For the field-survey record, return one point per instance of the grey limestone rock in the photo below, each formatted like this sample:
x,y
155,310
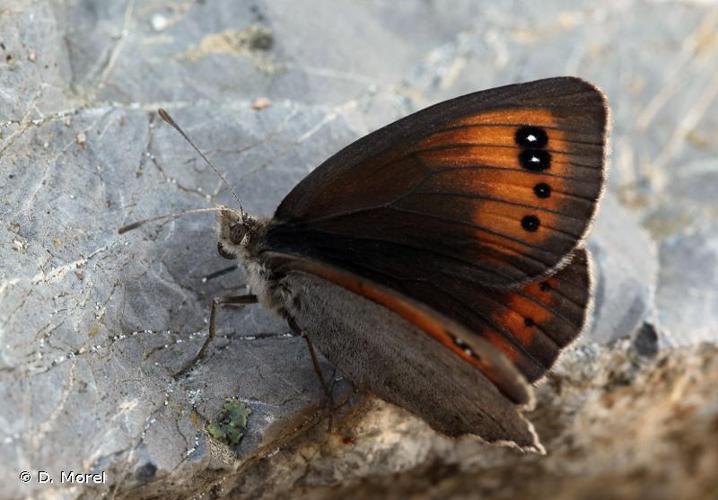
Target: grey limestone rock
x,y
93,324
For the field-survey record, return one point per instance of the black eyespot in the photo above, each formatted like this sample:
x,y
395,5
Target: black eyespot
x,y
542,190
530,223
545,286
535,160
531,137
224,253
529,322
464,346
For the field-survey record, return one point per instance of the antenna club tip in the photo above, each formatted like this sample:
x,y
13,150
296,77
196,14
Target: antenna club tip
x,y
165,115
167,118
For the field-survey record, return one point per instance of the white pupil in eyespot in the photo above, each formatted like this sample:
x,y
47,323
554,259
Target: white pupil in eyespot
x,y
531,138
535,159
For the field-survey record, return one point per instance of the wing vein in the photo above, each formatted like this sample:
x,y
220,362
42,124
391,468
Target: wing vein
x,y
488,321
498,200
496,124
464,145
433,216
486,166
555,312
470,264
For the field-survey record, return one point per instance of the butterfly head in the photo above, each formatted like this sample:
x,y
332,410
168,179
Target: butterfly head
x,y
237,233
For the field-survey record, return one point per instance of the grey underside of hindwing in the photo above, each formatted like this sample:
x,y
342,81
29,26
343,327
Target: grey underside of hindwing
x,y
387,356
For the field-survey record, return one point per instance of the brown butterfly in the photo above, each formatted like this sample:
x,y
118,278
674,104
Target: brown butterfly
x,y
437,262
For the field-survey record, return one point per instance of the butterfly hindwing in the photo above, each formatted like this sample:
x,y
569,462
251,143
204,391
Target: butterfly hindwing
x,y
498,186
529,325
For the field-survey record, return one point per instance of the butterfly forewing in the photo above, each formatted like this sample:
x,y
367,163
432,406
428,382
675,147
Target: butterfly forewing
x,y
498,186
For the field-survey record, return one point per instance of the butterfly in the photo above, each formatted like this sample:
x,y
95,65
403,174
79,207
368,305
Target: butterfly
x,y
438,262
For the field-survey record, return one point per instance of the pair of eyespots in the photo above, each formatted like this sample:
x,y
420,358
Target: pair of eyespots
x,y
532,141
464,347
529,322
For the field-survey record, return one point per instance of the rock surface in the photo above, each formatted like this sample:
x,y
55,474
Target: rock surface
x,y
93,324
617,425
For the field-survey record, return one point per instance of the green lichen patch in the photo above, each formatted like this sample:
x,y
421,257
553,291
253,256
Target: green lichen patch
x,y
230,423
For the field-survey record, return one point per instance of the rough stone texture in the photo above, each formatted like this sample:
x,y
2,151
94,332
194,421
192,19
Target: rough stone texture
x,y
624,268
93,324
687,297
617,425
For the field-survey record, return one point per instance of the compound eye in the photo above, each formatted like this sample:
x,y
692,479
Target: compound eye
x,y
236,233
224,253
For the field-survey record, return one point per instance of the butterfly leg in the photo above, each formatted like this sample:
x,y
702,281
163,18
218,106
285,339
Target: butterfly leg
x,y
232,300
317,368
219,273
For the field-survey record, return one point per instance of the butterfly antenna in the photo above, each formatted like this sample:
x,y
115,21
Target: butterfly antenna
x,y
168,217
170,121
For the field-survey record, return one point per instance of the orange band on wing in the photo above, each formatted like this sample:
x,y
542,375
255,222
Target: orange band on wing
x,y
388,299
